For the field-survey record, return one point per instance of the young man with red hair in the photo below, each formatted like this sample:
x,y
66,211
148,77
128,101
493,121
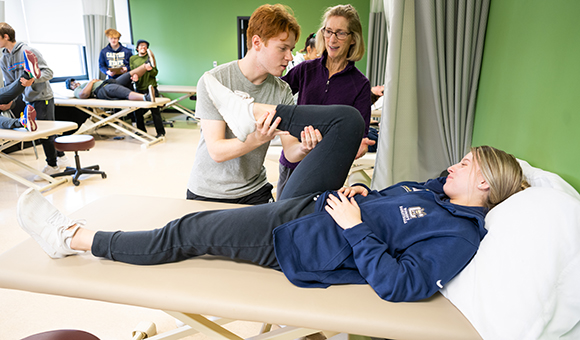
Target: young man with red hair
x,y
228,168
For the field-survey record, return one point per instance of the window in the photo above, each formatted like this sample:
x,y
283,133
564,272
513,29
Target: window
x,y
57,30
65,61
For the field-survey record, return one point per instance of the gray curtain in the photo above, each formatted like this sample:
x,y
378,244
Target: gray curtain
x,y
434,61
377,44
98,16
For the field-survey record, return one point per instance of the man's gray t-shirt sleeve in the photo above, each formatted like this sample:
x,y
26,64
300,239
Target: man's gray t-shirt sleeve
x,y
246,174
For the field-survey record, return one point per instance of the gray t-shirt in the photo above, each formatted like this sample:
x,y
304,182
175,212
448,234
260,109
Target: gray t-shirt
x,y
246,174
81,87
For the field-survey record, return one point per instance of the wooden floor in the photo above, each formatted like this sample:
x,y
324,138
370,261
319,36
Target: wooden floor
x,y
161,170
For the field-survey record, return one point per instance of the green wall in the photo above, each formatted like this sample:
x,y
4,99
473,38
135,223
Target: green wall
x,y
529,94
188,36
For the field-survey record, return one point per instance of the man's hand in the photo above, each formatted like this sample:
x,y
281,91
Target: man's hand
x,y
345,212
6,107
110,73
148,67
124,69
266,130
26,82
135,78
364,147
354,190
309,137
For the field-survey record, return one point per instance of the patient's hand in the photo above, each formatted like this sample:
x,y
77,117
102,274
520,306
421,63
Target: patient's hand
x,y
344,211
354,190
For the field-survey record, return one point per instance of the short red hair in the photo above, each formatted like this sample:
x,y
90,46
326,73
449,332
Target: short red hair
x,y
268,21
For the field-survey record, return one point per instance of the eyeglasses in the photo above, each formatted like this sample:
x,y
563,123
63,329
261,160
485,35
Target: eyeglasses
x,y
340,35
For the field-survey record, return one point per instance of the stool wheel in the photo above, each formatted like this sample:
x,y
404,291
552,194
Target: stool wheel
x,y
103,175
76,182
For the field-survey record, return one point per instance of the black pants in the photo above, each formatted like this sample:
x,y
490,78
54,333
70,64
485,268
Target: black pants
x,y
11,92
45,111
246,233
155,115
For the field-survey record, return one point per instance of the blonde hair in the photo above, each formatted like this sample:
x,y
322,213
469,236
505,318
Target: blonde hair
x,y
356,51
268,21
112,33
502,173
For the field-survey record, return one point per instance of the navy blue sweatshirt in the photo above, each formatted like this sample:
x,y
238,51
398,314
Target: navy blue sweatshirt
x,y
411,243
110,58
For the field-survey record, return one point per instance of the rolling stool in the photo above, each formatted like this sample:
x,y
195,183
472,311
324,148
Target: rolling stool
x,y
64,334
77,143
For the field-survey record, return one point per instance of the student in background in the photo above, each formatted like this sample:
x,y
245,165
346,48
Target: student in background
x,y
307,53
38,93
114,58
111,89
144,57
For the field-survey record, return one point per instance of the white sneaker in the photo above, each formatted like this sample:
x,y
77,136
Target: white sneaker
x,y
62,162
237,107
47,226
48,170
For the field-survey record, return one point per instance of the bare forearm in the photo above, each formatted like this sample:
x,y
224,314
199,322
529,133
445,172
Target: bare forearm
x,y
227,149
86,92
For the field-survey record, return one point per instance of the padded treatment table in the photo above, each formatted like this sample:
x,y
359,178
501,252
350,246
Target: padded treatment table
x,y
219,287
185,92
96,109
45,129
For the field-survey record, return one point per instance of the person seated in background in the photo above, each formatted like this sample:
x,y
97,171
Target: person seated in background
x,y
307,53
145,57
111,89
114,58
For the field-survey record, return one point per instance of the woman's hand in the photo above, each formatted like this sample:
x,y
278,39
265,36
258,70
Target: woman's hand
x,y
345,212
310,137
354,190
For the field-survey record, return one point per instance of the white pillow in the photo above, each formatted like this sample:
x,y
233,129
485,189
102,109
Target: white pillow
x,y
524,282
540,178
60,91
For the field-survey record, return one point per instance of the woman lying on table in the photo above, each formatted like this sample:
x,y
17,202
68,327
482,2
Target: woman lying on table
x,y
407,241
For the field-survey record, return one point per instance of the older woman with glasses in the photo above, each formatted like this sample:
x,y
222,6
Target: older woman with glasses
x,y
330,80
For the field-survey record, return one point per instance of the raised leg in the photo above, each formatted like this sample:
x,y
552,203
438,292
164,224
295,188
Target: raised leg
x,y
326,166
